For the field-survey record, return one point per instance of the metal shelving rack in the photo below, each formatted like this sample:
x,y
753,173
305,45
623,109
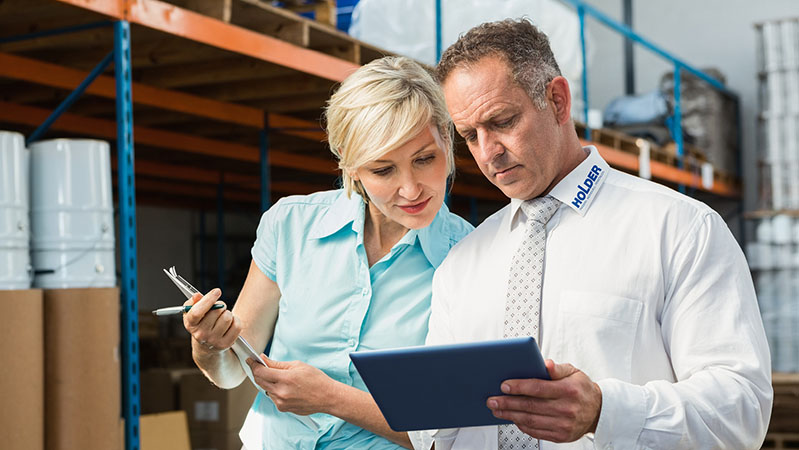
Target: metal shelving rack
x,y
225,113
680,66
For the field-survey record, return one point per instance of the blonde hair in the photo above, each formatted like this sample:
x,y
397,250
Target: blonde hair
x,y
380,107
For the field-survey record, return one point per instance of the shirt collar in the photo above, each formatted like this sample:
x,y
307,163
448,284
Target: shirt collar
x,y
578,188
433,239
342,212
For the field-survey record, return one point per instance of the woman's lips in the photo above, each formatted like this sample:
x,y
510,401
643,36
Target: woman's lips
x,y
416,208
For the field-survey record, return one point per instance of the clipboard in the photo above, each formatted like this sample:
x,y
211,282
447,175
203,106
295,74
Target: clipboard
x,y
241,348
446,386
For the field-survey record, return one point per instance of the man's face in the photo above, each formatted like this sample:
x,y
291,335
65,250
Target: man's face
x,y
515,144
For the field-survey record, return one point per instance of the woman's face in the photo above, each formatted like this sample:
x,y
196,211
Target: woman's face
x,y
407,185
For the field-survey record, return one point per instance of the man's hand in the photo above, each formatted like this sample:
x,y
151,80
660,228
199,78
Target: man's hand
x,y
295,386
560,410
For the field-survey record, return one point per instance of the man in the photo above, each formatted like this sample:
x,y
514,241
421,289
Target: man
x,y
640,294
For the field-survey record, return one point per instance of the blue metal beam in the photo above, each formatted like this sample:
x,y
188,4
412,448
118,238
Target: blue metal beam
x,y
581,14
56,31
635,37
266,194
203,269
71,98
438,30
127,236
220,232
473,216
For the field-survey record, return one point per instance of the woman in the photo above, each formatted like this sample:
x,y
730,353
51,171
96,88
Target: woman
x,y
339,271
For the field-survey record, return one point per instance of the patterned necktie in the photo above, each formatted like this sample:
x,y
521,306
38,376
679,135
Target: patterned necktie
x,y
523,302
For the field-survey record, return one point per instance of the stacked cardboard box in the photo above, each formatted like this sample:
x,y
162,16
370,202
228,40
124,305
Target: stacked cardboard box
x,y
82,369
22,370
164,431
215,415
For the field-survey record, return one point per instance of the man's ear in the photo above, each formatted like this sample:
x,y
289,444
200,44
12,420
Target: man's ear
x,y
559,95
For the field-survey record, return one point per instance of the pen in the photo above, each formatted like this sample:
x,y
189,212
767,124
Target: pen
x,y
181,309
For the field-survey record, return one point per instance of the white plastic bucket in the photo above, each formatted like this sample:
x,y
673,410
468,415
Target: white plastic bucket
x,y
72,227
15,267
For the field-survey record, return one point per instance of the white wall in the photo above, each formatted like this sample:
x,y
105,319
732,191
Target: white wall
x,y
706,33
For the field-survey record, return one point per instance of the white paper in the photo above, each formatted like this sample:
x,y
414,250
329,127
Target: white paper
x,y
206,411
707,175
644,171
243,350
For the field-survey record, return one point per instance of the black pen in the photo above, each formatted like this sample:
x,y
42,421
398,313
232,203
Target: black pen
x,y
181,309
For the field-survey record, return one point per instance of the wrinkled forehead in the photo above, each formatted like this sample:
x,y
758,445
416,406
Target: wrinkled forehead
x,y
478,93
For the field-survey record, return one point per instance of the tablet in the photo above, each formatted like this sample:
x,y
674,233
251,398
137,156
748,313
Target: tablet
x,y
445,386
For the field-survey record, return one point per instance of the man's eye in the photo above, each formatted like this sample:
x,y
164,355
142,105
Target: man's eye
x,y
506,123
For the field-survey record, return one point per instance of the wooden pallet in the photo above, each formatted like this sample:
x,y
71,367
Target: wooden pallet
x,y
286,25
692,160
785,412
324,10
781,441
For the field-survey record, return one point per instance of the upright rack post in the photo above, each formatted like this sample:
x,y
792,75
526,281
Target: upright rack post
x,y
220,232
438,31
266,194
127,234
581,14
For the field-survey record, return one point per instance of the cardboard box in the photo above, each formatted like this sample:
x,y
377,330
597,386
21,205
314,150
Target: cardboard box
x,y
215,440
82,369
164,431
158,391
22,370
211,408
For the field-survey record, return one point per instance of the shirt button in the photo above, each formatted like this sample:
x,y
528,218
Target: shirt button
x,y
351,342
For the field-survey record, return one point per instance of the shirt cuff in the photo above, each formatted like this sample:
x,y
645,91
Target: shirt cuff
x,y
421,440
443,438
622,416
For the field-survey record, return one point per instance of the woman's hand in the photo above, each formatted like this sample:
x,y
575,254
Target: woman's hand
x,y
296,387
214,329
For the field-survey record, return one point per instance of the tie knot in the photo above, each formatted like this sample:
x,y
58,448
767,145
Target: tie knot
x,y
540,209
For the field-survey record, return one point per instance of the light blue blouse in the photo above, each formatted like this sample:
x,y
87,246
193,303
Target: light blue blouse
x,y
333,303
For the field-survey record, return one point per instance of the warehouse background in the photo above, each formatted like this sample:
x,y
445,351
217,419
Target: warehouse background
x,y
212,249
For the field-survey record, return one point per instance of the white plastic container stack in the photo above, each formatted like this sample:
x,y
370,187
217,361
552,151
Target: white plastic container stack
x,y
72,234
779,146
15,268
774,253
774,260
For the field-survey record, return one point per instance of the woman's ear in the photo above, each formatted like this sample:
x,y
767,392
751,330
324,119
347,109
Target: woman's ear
x,y
353,174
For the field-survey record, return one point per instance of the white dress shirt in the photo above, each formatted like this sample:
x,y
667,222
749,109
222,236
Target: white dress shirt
x,y
646,291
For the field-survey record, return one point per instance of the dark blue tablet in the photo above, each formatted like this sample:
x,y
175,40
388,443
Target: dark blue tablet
x,y
445,386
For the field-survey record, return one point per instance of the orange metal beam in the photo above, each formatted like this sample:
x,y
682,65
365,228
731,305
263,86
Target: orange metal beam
x,y
203,191
106,129
662,171
26,69
197,27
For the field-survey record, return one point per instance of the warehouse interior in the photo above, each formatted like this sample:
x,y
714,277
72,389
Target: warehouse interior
x,y
222,101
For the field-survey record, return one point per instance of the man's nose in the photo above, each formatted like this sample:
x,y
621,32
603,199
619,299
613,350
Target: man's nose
x,y
487,148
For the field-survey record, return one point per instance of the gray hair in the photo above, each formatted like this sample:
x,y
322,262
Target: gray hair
x,y
520,43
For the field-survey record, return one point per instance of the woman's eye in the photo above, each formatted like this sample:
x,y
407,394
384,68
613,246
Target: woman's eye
x,y
382,172
426,159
